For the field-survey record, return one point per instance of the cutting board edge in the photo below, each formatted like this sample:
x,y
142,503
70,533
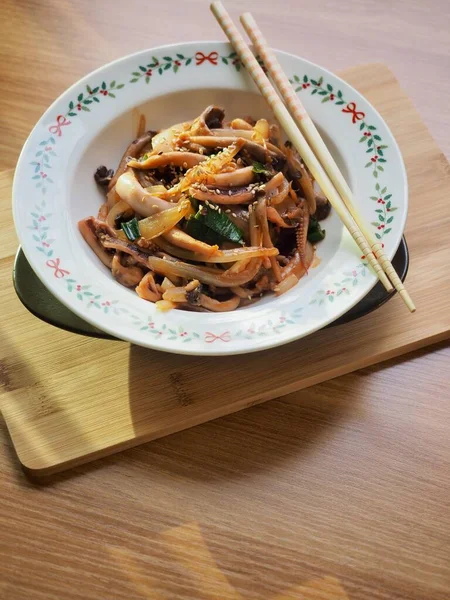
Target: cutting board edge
x,y
47,470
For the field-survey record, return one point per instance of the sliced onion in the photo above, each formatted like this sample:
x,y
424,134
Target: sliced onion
x,y
163,221
165,305
239,266
262,128
157,190
166,284
175,294
179,294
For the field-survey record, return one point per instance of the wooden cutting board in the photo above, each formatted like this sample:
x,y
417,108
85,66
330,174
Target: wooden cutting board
x,y
68,399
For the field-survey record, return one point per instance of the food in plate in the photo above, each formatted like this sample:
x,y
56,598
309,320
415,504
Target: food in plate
x,y
208,215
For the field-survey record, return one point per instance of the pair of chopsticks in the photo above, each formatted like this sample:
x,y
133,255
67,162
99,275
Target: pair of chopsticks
x,y
326,172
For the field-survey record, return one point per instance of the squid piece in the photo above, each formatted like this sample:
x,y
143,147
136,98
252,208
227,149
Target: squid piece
x,y
217,305
211,118
296,266
130,191
274,217
134,150
147,205
166,140
261,213
92,231
221,256
187,160
298,172
103,212
129,276
174,268
183,240
236,178
211,166
301,215
220,195
260,153
277,189
147,289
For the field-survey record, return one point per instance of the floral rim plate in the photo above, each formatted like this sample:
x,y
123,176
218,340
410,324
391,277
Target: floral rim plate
x,y
91,124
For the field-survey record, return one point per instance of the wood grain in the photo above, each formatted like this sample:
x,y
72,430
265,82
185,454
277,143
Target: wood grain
x,y
339,491
57,423
47,45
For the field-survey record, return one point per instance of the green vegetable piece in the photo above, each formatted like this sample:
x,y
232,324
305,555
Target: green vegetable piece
x,y
260,169
315,231
131,229
198,230
221,224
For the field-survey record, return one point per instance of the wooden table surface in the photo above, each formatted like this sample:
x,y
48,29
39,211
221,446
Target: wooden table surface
x,y
339,491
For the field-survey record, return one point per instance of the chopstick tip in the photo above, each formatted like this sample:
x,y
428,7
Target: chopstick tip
x,y
407,300
215,6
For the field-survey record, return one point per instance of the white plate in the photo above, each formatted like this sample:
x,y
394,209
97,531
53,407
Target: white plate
x,y
92,123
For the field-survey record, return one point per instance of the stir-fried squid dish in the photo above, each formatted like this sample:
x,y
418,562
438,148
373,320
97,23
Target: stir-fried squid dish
x,y
208,215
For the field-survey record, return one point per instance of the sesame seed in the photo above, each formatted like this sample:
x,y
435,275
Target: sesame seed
x,y
230,192
228,211
185,165
233,214
217,191
249,297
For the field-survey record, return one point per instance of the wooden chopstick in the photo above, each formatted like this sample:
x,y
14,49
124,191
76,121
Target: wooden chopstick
x,y
316,142
287,122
